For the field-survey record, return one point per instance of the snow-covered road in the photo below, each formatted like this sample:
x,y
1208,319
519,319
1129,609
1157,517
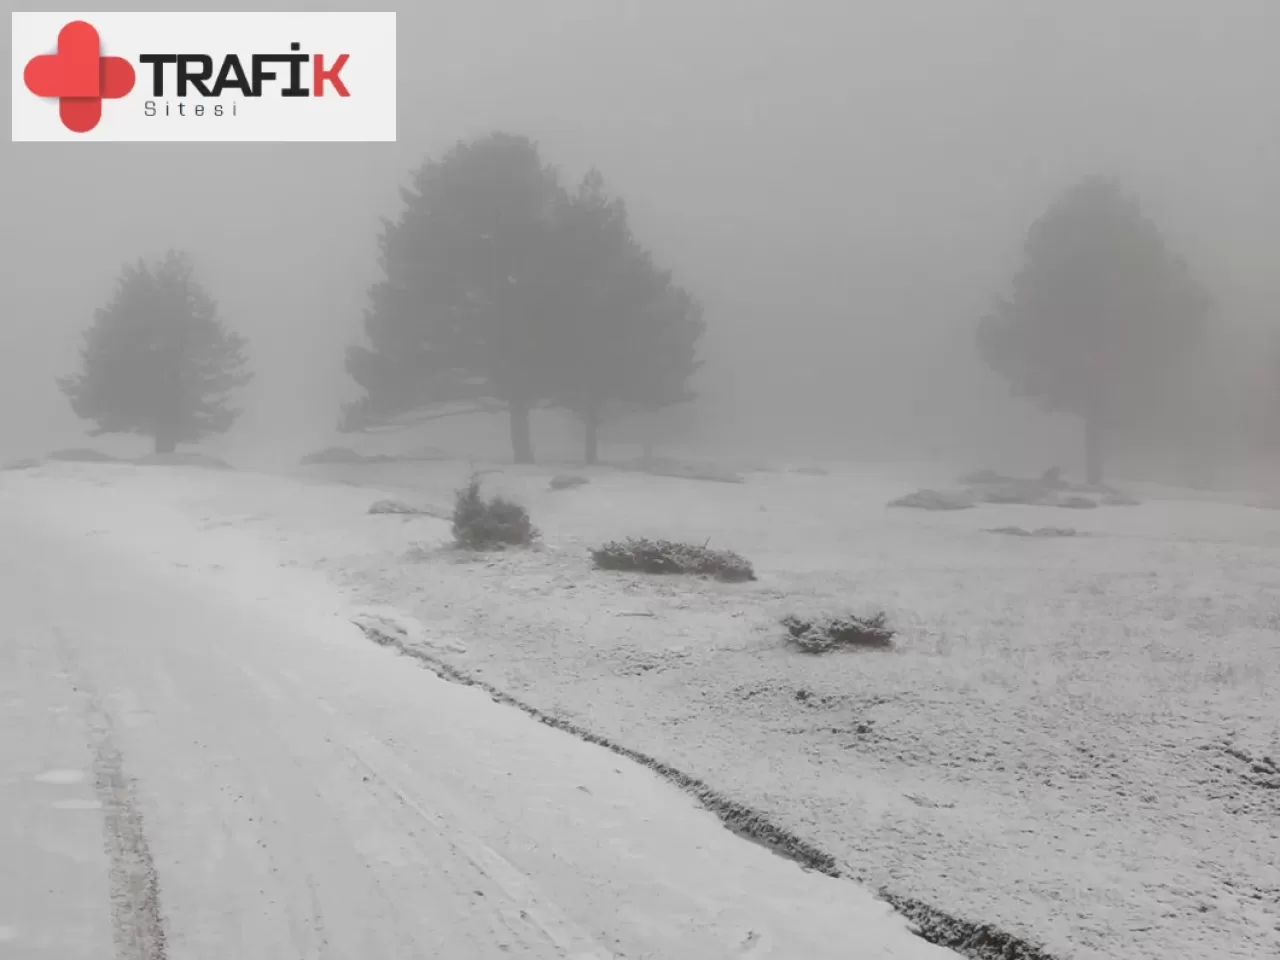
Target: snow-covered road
x,y
188,770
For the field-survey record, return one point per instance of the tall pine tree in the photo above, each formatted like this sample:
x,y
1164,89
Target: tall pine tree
x,y
157,360
624,336
1099,313
458,320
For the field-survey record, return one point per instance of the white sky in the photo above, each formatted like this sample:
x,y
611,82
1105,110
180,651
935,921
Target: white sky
x,y
844,182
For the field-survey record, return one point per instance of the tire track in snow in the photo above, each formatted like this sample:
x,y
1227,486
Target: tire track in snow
x,y
136,919
977,941
378,768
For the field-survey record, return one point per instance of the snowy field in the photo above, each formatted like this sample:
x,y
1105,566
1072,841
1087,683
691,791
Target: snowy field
x,y
1073,738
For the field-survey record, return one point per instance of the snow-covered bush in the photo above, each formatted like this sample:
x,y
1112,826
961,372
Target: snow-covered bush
x,y
688,470
180,458
83,455
934,500
1026,492
1077,503
642,555
333,455
1039,532
1117,498
398,507
826,633
489,523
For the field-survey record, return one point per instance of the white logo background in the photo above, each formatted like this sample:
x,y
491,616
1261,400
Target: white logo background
x,y
369,114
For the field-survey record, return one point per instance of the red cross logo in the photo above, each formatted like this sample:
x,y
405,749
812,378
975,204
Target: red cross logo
x,y
79,76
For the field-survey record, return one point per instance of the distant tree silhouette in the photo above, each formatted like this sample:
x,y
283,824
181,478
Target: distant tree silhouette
x,y
458,321
157,360
1099,311
624,336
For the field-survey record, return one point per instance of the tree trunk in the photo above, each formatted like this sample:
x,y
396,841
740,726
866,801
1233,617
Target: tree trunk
x,y
1093,452
591,438
521,433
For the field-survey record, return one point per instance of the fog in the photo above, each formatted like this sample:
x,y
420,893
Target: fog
x,y
846,185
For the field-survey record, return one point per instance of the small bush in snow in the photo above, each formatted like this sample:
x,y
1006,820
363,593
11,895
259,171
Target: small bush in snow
x,y
347,455
641,555
934,500
332,455
1040,532
83,455
491,523
567,481
689,470
824,634
1117,498
395,507
1026,492
423,453
1077,503
184,459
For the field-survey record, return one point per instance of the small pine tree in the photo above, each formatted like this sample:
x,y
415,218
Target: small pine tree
x,y
157,360
481,523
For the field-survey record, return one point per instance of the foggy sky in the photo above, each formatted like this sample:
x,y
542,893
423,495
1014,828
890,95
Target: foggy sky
x,y
845,183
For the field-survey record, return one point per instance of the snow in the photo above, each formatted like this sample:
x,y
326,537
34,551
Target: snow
x,y
1067,742
49,844
271,784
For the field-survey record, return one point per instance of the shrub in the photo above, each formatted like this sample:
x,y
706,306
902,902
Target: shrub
x,y
1117,498
1077,503
481,523
688,470
347,455
333,455
1040,532
83,455
567,481
395,507
1026,492
421,453
934,500
641,555
184,459
824,634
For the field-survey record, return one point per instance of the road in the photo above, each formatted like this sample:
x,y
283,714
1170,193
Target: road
x,y
189,773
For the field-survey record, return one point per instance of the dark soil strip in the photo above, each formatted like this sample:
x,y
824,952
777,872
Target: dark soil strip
x,y
136,920
977,941
135,889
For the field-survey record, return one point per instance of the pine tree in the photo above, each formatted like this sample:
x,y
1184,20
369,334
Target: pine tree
x,y
1100,311
458,321
623,335
157,360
